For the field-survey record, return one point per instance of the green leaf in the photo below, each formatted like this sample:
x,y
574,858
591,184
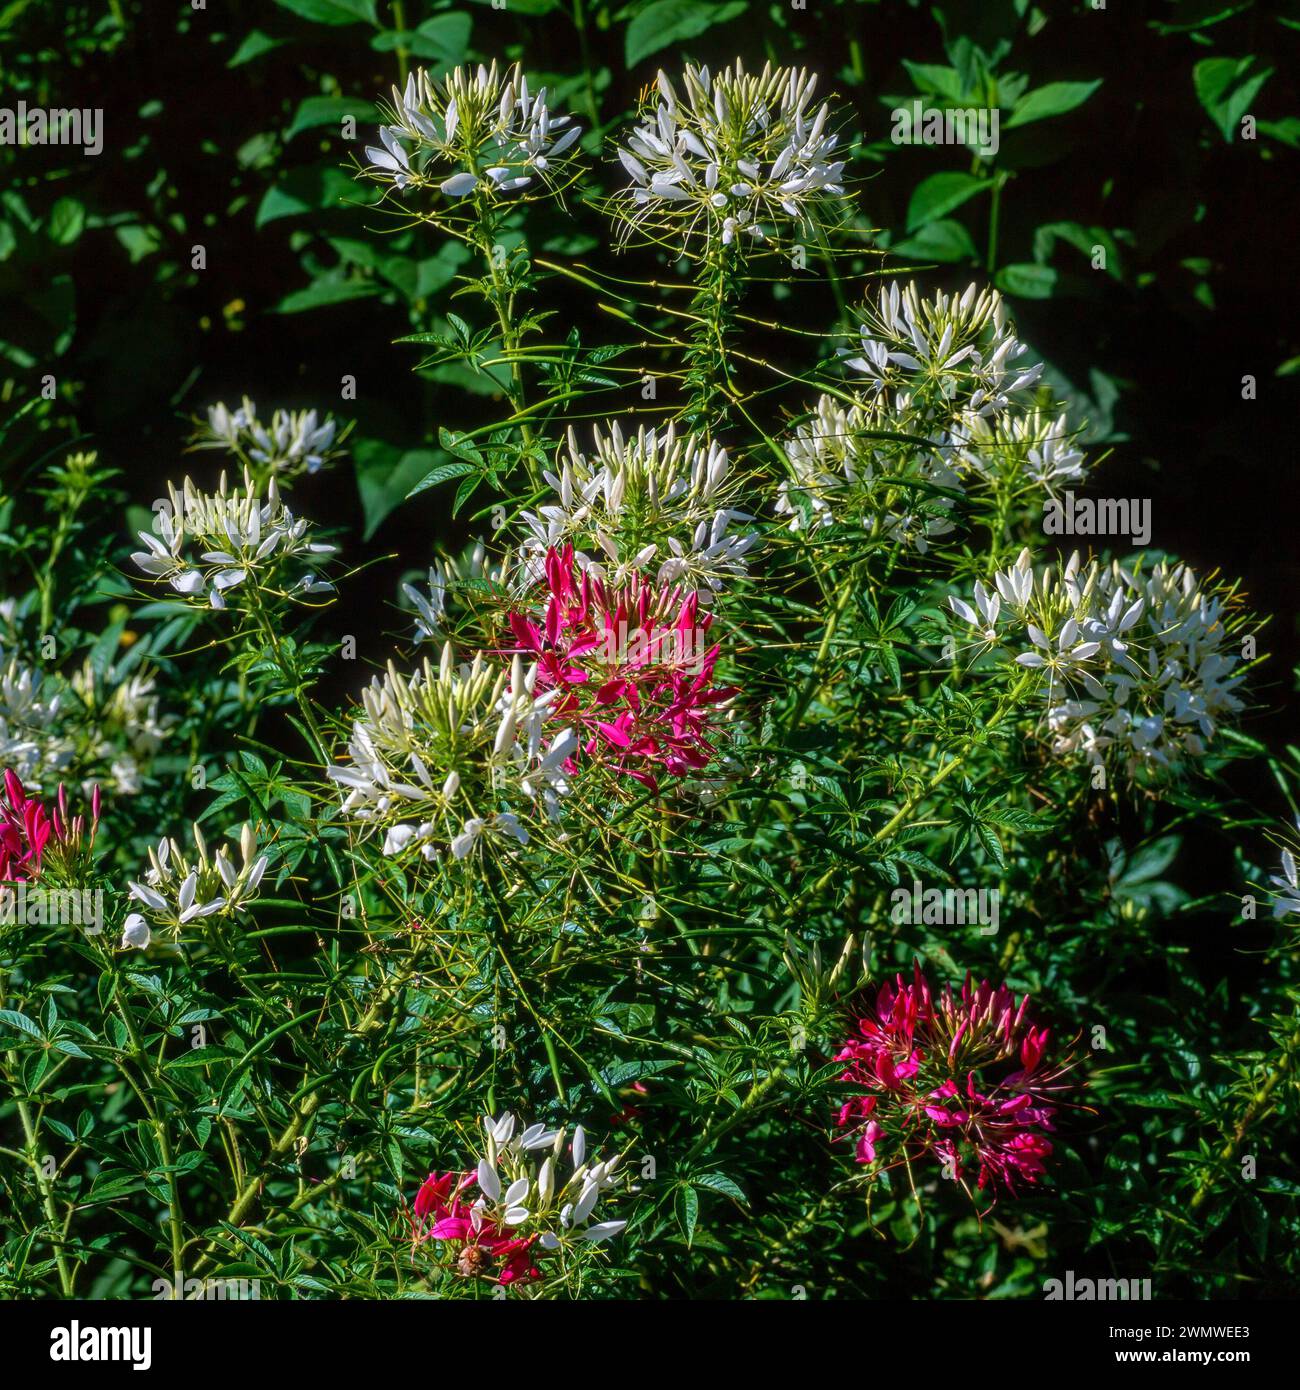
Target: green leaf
x,y
1054,99
688,1210
254,46
319,111
327,290
1226,87
666,22
336,12
19,1021
308,190
719,1182
940,194
385,476
1026,280
945,241
67,221
444,38
441,474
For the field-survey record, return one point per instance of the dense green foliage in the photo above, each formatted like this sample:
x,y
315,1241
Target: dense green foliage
x,y
259,1093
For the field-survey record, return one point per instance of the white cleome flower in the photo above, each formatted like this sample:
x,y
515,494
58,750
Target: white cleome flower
x,y
1136,660
209,544
475,132
848,470
433,755
734,158
955,356
517,1190
294,442
176,889
655,502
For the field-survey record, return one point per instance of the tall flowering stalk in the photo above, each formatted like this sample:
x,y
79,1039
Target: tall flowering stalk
x,y
965,1080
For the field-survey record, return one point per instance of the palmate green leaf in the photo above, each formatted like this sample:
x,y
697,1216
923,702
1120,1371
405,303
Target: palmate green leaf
x,y
310,189
665,22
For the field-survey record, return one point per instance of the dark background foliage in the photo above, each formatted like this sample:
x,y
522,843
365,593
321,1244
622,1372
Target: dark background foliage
x,y
222,130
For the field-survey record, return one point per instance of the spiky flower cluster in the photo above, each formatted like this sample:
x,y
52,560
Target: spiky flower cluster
x,y
963,1080
34,840
1034,447
943,360
32,740
1135,662
944,408
656,498
123,725
848,471
508,1212
177,889
739,158
476,132
630,665
445,578
295,441
209,544
446,757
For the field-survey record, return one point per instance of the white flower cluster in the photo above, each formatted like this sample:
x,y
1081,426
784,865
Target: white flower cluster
x,y
1137,662
1287,902
445,577
518,1194
296,441
176,890
433,756
104,729
476,131
1036,446
951,357
653,498
847,471
32,739
120,715
239,537
944,408
739,157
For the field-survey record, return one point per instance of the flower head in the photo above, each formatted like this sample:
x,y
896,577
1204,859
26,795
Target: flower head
x,y
964,1079
475,132
178,889
653,499
630,666
1137,663
445,757
209,544
512,1208
952,357
734,158
294,442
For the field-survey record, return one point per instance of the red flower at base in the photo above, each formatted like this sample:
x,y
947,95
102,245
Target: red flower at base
x,y
439,1213
962,1079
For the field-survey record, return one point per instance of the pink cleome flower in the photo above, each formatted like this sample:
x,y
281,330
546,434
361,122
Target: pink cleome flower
x,y
441,1213
28,833
964,1079
632,667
